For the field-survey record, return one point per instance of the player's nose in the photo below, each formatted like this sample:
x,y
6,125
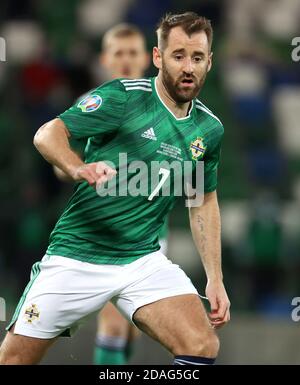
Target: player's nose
x,y
188,66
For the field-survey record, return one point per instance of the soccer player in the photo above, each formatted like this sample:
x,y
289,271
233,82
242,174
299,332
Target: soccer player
x,y
106,247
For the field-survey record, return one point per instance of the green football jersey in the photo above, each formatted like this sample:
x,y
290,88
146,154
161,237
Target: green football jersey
x,y
128,117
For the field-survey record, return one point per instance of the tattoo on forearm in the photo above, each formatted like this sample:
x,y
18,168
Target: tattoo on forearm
x,y
202,237
200,221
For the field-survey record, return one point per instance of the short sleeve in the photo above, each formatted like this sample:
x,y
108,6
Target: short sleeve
x,y
211,160
98,112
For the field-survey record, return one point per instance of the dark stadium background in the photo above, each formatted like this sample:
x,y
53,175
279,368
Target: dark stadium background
x,y
254,87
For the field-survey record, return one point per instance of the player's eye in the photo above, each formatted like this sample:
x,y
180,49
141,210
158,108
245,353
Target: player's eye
x,y
133,53
198,59
178,57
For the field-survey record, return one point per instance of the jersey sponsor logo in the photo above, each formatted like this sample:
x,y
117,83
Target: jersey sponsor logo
x,y
31,313
197,148
90,103
149,134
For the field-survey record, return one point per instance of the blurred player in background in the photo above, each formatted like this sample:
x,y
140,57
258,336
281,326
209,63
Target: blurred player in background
x,y
106,248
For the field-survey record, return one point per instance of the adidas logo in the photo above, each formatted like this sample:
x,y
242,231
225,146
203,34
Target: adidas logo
x,y
149,134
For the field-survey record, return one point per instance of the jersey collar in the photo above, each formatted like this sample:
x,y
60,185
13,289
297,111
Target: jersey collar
x,y
185,118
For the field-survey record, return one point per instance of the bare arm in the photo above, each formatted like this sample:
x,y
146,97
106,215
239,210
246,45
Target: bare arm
x,y
205,224
52,141
61,175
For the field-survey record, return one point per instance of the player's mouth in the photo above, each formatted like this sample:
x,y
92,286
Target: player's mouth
x,y
126,72
187,82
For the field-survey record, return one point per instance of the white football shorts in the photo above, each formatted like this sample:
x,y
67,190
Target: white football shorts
x,y
63,292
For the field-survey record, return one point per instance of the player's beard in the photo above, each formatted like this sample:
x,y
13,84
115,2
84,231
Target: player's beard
x,y
176,90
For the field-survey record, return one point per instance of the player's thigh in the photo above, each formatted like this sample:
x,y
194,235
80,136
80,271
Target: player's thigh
x,y
21,350
175,322
112,322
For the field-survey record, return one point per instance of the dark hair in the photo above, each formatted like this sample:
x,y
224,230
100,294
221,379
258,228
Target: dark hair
x,y
119,31
190,22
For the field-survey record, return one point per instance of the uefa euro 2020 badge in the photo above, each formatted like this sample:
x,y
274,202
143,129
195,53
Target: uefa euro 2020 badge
x,y
31,313
197,148
90,103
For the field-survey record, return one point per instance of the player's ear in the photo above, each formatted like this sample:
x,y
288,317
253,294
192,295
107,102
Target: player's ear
x,y
157,57
209,61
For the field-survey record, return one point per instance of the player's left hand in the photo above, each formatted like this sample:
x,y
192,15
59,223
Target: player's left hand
x,y
219,303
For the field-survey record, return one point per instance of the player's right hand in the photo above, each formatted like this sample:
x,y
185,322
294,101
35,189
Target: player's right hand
x,y
95,173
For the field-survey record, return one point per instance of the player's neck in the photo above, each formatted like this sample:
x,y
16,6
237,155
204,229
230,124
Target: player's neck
x,y
180,110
